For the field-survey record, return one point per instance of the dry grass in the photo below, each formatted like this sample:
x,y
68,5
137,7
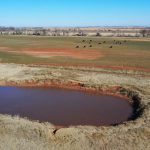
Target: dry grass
x,y
17,133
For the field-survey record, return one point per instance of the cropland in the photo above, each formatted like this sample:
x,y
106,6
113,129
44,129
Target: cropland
x,y
113,66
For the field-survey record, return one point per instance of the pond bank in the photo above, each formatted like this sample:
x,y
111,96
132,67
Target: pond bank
x,y
134,134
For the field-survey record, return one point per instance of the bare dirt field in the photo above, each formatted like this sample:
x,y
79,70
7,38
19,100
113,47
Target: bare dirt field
x,y
88,54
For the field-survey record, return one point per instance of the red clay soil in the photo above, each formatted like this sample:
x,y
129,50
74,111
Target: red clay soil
x,y
131,54
113,91
5,48
94,66
80,54
51,52
124,68
73,53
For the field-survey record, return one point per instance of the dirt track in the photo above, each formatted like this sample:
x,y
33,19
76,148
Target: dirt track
x,y
17,133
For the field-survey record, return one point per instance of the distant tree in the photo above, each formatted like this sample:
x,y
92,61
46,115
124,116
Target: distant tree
x,y
148,32
81,34
18,32
44,32
36,33
143,32
98,34
63,32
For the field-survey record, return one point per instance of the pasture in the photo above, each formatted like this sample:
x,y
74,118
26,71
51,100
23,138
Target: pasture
x,y
126,53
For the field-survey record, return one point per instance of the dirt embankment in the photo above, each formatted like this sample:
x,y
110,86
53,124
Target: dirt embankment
x,y
17,133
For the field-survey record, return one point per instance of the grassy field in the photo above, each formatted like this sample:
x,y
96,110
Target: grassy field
x,y
130,53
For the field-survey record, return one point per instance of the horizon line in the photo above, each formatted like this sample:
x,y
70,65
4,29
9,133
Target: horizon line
x,y
97,26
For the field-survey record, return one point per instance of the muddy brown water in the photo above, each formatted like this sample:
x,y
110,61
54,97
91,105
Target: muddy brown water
x,y
64,107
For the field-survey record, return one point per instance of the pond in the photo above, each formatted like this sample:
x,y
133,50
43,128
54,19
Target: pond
x,y
64,107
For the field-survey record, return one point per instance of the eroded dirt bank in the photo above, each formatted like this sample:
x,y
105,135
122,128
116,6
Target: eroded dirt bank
x,y
18,133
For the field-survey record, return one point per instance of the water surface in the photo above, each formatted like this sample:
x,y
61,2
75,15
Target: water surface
x,y
64,107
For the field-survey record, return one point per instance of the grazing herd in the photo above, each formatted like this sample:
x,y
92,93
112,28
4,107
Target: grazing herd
x,y
115,42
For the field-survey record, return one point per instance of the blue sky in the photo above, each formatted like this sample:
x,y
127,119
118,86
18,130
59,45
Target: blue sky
x,y
74,13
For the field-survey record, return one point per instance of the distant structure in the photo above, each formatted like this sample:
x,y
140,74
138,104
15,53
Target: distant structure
x,y
76,31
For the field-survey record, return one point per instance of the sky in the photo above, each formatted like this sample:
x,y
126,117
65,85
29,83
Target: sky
x,y
61,13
